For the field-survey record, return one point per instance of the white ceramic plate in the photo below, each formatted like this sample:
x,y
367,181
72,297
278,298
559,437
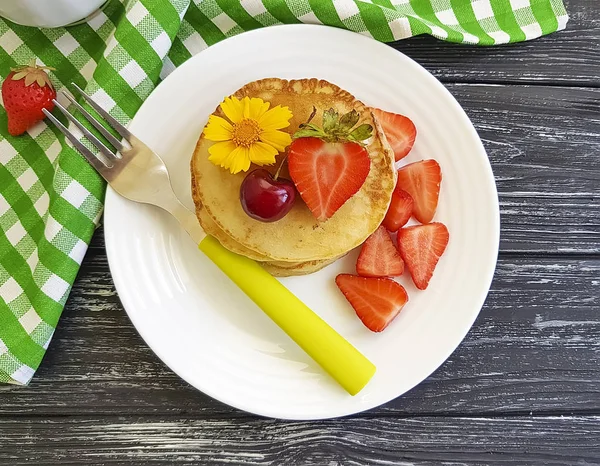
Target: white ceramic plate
x,y
207,330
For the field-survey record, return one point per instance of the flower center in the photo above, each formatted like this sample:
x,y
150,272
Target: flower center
x,y
245,133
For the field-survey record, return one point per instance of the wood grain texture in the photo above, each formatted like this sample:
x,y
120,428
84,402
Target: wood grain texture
x,y
523,387
569,57
534,348
573,440
544,146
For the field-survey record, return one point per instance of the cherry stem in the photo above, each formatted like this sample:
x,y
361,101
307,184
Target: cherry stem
x,y
279,169
312,115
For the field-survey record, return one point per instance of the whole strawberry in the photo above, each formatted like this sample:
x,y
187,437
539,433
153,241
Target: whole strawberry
x,y
26,91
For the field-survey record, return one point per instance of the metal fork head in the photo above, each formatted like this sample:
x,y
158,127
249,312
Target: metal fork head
x,y
132,169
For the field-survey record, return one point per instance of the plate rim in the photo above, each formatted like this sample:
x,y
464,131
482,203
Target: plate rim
x,y
111,197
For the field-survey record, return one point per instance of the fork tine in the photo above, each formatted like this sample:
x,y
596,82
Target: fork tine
x,y
93,139
113,140
118,127
89,155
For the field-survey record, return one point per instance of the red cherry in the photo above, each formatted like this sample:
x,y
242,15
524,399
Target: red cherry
x,y
265,198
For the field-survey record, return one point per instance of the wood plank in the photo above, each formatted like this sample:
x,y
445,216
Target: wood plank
x,y
569,57
351,441
102,397
543,143
534,348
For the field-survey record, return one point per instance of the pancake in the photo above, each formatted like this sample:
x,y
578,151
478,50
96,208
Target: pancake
x,y
211,228
298,237
301,268
277,268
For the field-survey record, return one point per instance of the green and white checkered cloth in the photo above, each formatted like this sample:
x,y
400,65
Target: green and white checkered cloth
x,y
51,200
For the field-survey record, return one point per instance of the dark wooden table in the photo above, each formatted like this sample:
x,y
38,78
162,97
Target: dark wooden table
x,y
524,386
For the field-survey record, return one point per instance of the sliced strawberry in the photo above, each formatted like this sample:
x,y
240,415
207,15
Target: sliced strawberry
x,y
400,210
422,181
327,174
377,301
399,130
421,247
379,257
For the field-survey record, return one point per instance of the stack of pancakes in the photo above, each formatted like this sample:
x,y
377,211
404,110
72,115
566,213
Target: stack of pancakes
x,y
297,244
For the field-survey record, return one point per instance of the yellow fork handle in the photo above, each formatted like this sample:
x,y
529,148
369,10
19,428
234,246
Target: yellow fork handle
x,y
328,348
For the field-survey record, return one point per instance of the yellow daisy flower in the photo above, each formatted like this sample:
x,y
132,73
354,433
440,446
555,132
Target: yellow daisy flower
x,y
250,136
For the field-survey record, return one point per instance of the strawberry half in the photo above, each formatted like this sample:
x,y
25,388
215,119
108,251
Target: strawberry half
x,y
399,130
421,247
422,181
329,165
327,174
377,301
26,91
400,210
379,257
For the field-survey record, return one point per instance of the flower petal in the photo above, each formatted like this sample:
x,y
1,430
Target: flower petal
x,y
278,139
276,118
229,156
218,129
246,106
220,153
233,109
262,154
239,160
255,108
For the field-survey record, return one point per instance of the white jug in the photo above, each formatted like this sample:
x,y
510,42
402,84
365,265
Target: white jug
x,y
48,13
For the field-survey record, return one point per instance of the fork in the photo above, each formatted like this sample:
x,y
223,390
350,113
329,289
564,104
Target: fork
x,y
135,172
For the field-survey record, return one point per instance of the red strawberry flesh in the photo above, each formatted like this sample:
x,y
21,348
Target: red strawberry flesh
x,y
422,181
376,301
400,210
399,130
421,247
379,257
327,174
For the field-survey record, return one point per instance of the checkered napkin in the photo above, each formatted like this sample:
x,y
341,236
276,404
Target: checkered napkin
x,y
51,200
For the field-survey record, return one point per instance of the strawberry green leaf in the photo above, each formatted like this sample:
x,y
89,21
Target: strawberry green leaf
x,y
19,75
348,121
312,126
308,131
30,79
361,133
330,120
